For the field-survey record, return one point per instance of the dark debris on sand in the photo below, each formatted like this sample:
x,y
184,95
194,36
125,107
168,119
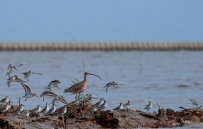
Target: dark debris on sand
x,y
78,116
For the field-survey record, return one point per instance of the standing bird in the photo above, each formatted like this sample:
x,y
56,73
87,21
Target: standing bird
x,y
11,68
26,113
52,110
20,109
46,109
93,109
101,101
28,92
49,94
89,97
5,100
37,109
120,107
52,84
27,74
149,106
81,86
127,105
111,84
4,109
104,105
61,111
14,79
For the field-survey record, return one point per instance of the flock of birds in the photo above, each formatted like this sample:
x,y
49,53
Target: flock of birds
x,y
76,88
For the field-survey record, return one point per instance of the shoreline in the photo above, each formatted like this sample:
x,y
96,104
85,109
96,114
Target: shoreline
x,y
78,116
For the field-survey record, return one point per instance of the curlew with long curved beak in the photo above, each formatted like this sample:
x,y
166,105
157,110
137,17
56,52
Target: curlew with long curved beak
x,y
81,86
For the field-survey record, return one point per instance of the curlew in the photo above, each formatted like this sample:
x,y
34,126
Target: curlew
x,y
81,86
27,74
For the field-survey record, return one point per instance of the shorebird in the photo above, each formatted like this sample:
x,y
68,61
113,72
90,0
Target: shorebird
x,y
52,84
111,84
52,110
49,94
81,86
37,109
120,107
4,109
61,111
59,98
14,79
27,74
101,101
127,105
5,100
89,97
20,109
28,92
104,105
93,109
11,68
149,106
46,109
26,113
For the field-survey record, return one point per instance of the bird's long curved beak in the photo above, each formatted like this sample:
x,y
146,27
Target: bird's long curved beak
x,y
94,75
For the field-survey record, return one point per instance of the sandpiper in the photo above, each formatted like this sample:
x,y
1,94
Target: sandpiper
x,y
127,105
28,93
37,109
111,84
5,100
52,84
93,109
27,74
14,79
46,109
20,109
81,86
104,105
101,101
11,68
52,110
89,97
149,106
59,98
26,113
120,107
4,109
61,111
49,94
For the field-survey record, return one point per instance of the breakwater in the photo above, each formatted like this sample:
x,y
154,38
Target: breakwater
x,y
99,46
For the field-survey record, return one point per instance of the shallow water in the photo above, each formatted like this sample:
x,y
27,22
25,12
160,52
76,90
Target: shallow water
x,y
154,76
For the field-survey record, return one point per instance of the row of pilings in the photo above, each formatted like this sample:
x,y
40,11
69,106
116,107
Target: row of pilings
x,y
97,46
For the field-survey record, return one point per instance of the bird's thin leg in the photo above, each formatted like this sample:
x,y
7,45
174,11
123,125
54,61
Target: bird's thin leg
x,y
43,98
26,99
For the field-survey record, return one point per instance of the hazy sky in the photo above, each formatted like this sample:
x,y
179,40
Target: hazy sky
x,y
105,20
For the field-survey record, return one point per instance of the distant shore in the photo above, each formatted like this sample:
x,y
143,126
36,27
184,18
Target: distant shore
x,y
99,46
